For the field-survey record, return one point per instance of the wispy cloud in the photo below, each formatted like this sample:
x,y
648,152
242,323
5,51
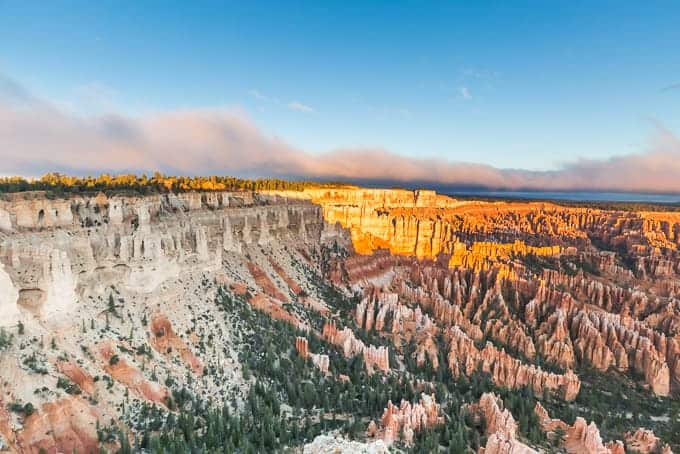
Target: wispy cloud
x,y
464,92
671,87
292,105
300,107
478,74
37,137
258,95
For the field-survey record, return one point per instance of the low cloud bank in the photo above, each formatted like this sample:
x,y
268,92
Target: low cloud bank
x,y
38,137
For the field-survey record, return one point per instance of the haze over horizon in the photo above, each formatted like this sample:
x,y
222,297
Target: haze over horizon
x,y
513,97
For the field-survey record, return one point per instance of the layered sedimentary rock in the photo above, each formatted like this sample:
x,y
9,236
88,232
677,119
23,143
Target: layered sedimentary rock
x,y
578,438
424,224
465,358
402,422
498,444
77,375
500,426
644,441
374,357
56,248
468,286
414,224
166,342
65,425
482,255
320,361
380,309
6,433
125,372
8,298
116,295
569,320
496,419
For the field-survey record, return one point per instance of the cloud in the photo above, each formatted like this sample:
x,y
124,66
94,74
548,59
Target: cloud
x,y
465,92
258,95
478,74
37,137
671,87
295,105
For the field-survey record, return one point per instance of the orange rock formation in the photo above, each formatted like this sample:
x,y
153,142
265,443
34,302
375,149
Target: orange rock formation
x,y
320,361
374,357
65,425
130,376
500,426
403,421
165,341
77,375
579,438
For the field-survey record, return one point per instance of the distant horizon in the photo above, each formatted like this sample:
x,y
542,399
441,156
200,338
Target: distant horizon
x,y
585,195
520,96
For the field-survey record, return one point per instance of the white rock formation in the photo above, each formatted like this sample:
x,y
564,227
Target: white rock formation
x,y
329,444
9,312
229,243
60,286
5,221
265,236
52,252
116,211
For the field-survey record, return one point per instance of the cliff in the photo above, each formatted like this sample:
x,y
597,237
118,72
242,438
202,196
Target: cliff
x,y
135,298
123,289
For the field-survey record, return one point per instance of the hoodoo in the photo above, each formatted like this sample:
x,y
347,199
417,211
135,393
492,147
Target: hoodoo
x,y
328,296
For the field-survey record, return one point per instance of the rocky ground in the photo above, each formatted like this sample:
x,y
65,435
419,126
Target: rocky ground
x,y
336,320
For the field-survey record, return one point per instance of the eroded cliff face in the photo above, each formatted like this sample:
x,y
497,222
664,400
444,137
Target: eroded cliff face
x,y
424,224
632,329
116,296
52,251
113,299
507,285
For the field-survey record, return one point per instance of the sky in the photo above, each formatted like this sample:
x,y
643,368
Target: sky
x,y
556,95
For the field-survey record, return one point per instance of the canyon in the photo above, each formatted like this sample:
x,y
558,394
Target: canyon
x,y
109,305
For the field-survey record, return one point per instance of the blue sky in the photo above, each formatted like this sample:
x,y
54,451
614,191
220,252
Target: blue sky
x,y
510,84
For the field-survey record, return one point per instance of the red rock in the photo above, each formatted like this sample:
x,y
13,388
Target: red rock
x,y
505,370
579,438
496,419
320,361
65,425
166,342
6,432
403,421
265,283
275,309
374,357
301,345
130,376
77,375
294,286
498,444
645,442
500,426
